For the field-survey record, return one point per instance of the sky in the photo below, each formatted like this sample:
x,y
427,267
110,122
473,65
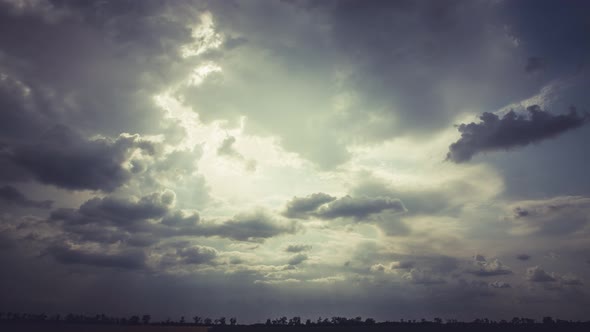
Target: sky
x,y
257,158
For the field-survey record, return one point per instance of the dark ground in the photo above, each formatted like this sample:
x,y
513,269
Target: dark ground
x,y
69,327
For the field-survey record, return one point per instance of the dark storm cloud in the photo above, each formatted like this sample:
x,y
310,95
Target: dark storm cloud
x,y
512,130
125,260
65,159
301,207
10,195
125,54
523,257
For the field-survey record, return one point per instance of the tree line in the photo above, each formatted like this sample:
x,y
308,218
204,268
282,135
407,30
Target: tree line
x,y
280,321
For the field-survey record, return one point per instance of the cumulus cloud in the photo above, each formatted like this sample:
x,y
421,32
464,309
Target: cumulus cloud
x,y
512,130
424,277
537,274
485,268
150,219
359,207
324,206
197,254
552,281
252,226
62,157
302,207
12,196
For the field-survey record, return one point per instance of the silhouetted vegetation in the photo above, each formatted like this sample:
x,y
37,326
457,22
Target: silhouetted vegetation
x,y
296,323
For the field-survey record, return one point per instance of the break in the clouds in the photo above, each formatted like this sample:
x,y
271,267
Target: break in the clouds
x,y
511,130
162,157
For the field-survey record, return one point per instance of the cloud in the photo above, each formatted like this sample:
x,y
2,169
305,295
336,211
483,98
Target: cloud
x,y
552,217
124,213
523,257
512,130
570,280
324,206
296,248
359,207
303,207
197,254
153,217
537,274
252,226
423,277
402,265
227,149
65,159
125,260
297,259
484,268
500,284
11,196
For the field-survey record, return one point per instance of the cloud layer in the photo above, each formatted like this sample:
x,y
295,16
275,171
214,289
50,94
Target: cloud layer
x,y
512,130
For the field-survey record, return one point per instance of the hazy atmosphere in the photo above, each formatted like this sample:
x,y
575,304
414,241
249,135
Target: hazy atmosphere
x,y
386,159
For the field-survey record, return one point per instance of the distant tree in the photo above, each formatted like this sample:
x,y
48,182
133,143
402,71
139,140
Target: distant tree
x,y
134,320
369,321
220,321
438,320
182,320
233,321
295,321
146,319
548,320
208,321
197,320
268,322
308,322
